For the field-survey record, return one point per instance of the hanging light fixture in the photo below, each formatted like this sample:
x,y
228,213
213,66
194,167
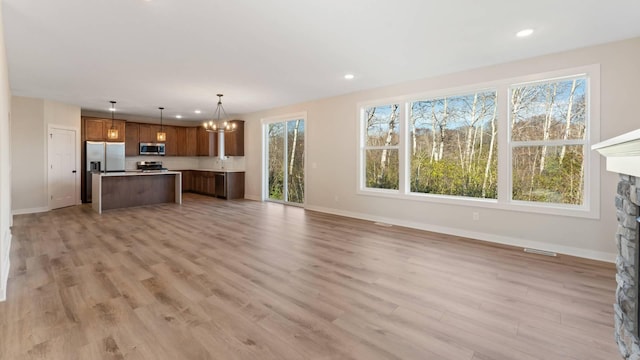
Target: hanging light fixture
x,y
112,133
161,136
217,125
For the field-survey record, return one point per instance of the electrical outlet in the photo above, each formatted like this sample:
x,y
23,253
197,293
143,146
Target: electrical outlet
x,y
476,216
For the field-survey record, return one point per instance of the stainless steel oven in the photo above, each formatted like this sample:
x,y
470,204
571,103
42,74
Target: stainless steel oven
x,y
151,149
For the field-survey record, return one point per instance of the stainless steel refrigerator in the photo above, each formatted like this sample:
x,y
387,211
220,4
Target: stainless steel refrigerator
x,y
102,157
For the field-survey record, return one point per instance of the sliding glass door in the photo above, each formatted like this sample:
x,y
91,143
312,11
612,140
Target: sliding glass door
x,y
284,160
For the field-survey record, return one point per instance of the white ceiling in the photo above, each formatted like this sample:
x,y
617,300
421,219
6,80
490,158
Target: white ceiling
x,y
267,53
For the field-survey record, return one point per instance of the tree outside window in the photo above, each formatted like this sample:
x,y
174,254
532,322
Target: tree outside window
x,y
548,138
447,145
381,146
454,145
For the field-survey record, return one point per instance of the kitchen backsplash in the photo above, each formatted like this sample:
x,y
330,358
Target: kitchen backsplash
x,y
214,163
170,162
189,162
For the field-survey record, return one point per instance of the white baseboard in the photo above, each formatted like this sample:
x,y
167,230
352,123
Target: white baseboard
x,y
30,210
5,265
499,239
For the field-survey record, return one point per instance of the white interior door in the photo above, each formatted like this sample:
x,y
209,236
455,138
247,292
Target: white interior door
x,y
62,168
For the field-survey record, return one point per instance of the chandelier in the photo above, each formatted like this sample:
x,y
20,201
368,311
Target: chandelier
x,y
216,124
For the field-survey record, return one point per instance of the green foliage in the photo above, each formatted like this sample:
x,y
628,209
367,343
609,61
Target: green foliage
x,y
446,177
382,174
549,111
279,161
560,182
275,185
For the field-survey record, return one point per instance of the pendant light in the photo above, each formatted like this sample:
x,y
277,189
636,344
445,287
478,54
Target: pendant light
x,y
161,136
112,133
216,125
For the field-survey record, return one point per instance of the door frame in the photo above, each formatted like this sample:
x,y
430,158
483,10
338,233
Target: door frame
x,y
76,130
265,151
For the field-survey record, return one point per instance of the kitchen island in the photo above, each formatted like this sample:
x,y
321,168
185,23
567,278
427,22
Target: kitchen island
x,y
134,188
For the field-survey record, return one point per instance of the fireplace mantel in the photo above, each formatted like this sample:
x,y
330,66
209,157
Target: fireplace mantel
x,y
623,156
622,153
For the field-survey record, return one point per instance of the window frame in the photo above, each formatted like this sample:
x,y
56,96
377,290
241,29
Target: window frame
x,y
458,92
264,124
586,148
591,201
363,147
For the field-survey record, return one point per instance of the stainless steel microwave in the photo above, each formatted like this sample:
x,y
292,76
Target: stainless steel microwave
x,y
151,149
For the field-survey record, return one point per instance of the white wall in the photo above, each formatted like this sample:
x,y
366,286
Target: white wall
x,y
5,167
31,119
57,113
29,178
332,147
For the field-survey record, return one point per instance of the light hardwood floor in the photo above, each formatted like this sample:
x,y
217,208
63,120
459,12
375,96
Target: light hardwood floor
x,y
215,279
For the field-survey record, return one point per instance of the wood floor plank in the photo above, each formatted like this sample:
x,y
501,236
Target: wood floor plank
x,y
176,342
129,288
215,279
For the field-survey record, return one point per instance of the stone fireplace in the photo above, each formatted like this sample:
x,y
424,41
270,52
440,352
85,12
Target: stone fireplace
x,y
623,157
626,301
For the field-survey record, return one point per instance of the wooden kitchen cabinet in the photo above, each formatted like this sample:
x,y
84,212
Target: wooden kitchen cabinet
x,y
187,180
225,185
148,133
233,141
187,141
171,144
211,183
205,142
234,185
203,182
95,129
192,141
132,139
181,141
198,182
181,135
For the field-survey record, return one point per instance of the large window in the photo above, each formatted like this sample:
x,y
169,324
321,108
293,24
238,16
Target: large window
x,y
519,144
453,145
548,138
381,150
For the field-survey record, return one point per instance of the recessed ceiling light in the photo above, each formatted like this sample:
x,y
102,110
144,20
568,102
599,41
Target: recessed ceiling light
x,y
349,76
197,111
178,116
524,33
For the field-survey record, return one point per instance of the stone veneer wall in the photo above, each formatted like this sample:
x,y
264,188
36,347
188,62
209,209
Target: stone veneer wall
x,y
626,302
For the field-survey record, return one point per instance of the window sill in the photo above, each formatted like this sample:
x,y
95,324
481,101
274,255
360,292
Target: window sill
x,y
520,206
